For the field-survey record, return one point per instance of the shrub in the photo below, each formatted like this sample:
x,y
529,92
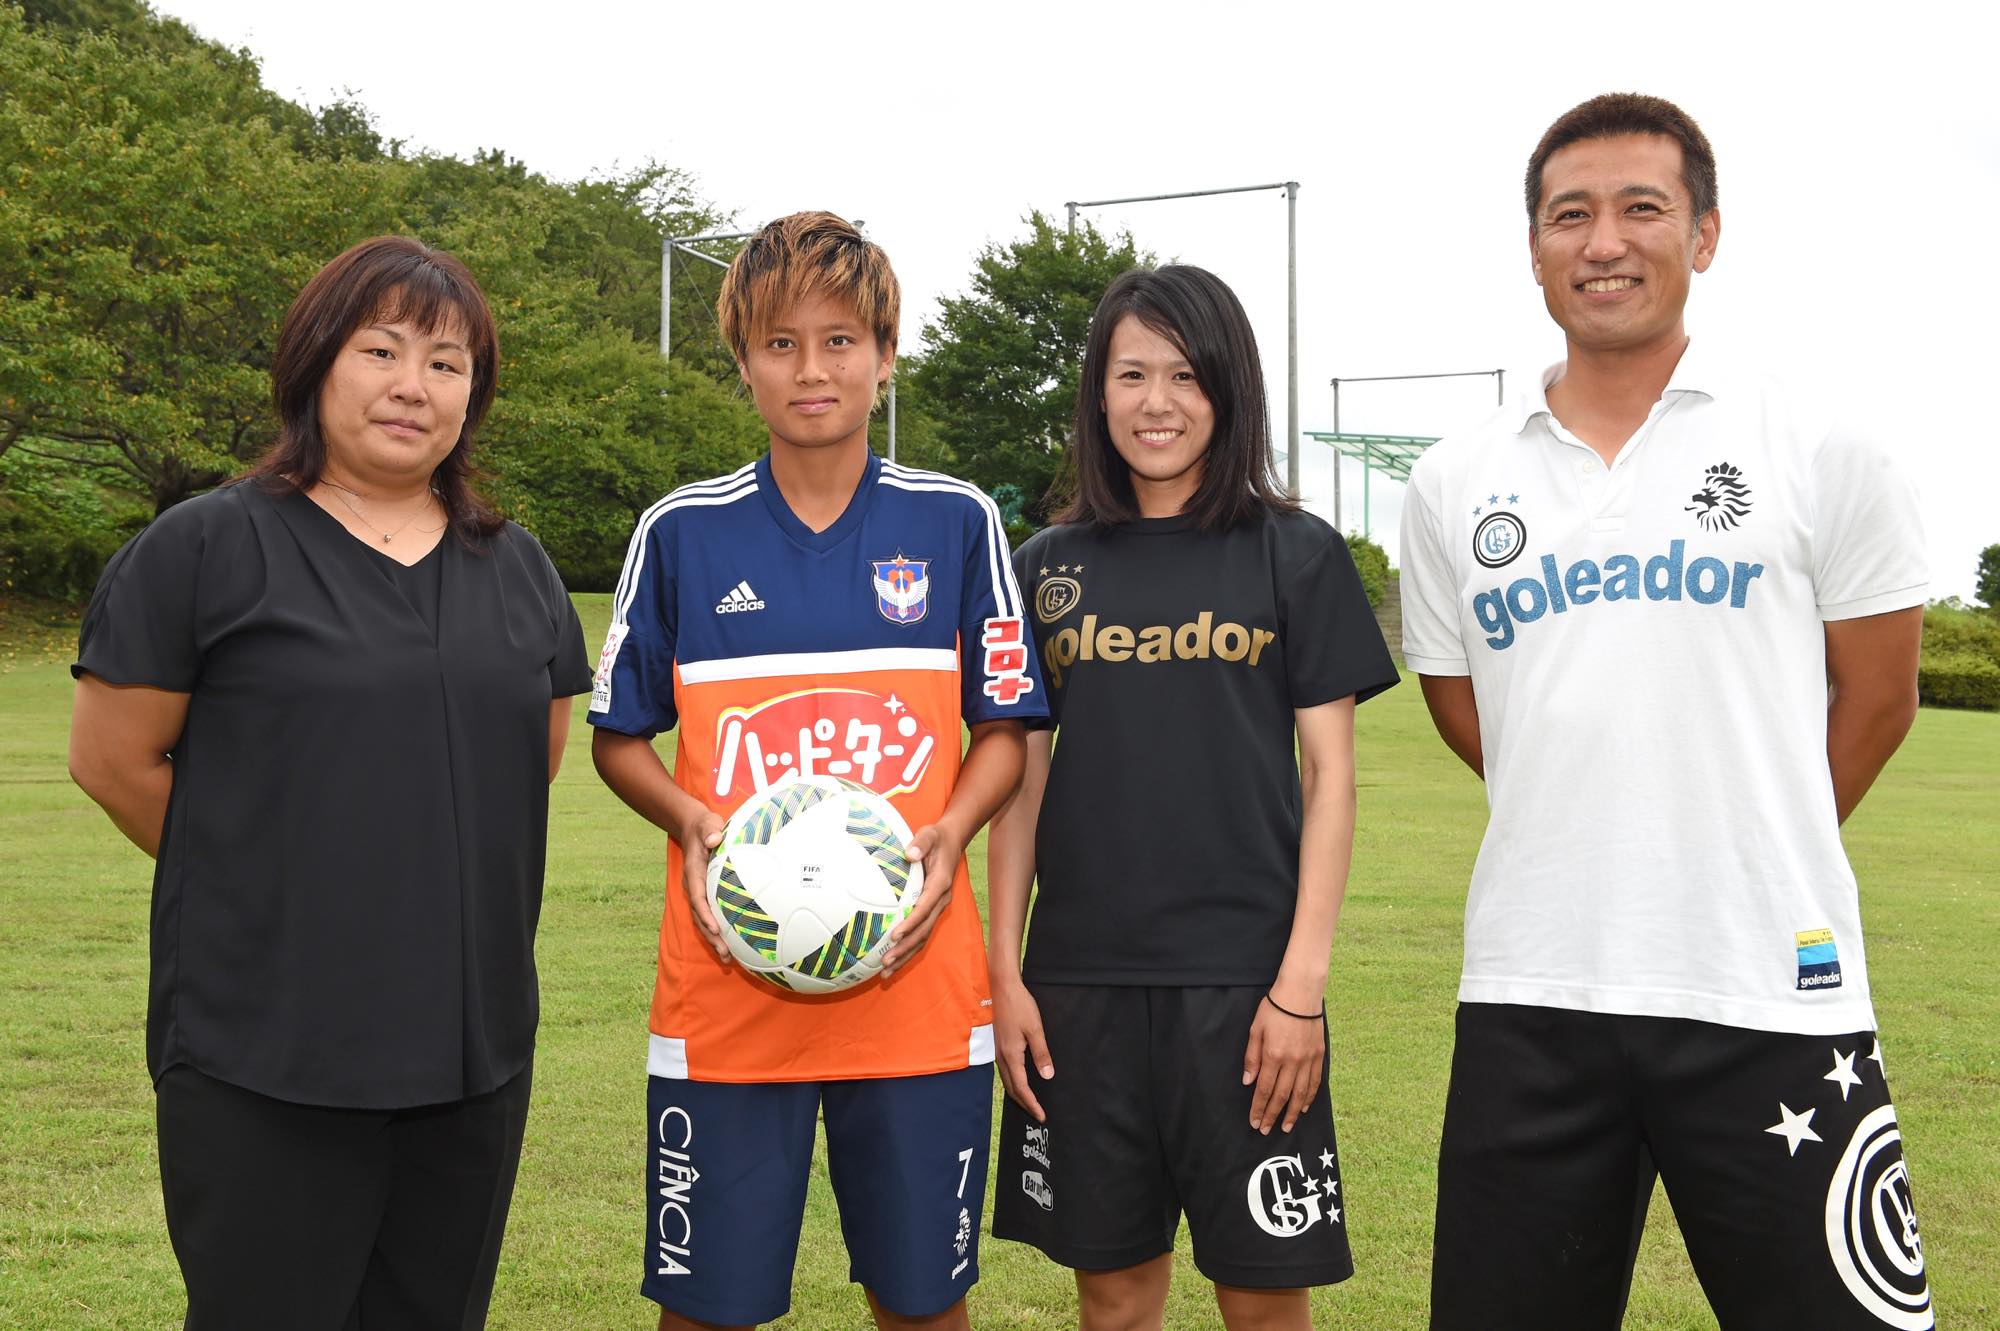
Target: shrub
x,y
1959,679
1960,666
1373,563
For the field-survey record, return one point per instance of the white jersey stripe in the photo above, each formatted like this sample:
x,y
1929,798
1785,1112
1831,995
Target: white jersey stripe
x,y
854,662
1006,593
743,474
688,496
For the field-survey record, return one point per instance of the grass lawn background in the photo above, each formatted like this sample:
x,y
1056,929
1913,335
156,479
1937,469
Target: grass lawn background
x,y
83,1244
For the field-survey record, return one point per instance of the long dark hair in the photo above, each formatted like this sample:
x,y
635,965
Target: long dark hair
x,y
1193,309
393,279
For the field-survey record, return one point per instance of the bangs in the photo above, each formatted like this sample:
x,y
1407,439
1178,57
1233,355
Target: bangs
x,y
797,258
428,300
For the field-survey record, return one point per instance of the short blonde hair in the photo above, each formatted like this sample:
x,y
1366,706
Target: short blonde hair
x,y
803,255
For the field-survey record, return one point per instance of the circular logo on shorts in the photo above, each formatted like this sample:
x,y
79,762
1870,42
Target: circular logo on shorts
x,y
1871,1226
1498,538
1056,598
1284,1201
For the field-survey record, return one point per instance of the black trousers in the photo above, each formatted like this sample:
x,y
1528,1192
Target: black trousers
x,y
314,1219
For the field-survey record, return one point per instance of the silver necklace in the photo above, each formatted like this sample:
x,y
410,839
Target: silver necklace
x,y
369,522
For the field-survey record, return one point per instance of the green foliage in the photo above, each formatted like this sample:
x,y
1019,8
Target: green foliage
x,y
589,435
1959,679
1988,589
1000,374
149,243
1960,665
920,440
1372,561
58,526
159,210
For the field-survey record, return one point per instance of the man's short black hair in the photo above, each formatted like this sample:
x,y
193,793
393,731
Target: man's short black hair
x,y
1615,113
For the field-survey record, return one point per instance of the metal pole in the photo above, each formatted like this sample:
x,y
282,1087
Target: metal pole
x,y
1336,456
1292,336
1188,194
666,295
667,247
1072,217
892,416
1367,490
1500,378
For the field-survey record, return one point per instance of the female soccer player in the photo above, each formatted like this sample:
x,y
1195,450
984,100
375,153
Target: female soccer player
x,y
1192,624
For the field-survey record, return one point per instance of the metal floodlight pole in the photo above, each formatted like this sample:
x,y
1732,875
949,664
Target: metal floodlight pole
x,y
683,243
1291,189
1367,451
1292,338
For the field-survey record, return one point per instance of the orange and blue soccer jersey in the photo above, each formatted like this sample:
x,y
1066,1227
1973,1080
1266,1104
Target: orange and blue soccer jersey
x,y
855,652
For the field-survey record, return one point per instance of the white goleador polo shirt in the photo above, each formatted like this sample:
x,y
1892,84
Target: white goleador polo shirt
x,y
1647,648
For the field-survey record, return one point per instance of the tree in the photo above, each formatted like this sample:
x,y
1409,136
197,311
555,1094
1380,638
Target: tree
x,y
1000,371
1989,576
148,247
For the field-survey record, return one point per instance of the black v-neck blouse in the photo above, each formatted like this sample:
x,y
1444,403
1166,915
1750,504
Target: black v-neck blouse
x,y
350,873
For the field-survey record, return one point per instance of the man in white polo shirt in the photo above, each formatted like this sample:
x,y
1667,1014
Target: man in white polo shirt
x,y
1671,616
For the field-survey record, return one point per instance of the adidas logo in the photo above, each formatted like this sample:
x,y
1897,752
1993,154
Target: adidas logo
x,y
739,601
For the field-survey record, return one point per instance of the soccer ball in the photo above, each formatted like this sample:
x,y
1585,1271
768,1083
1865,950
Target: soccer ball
x,y
811,876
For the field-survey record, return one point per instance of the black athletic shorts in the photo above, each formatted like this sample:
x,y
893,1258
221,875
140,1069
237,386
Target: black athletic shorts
x,y
1148,1116
1779,1152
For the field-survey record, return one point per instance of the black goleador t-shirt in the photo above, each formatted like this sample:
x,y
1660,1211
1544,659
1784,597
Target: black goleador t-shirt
x,y
1167,847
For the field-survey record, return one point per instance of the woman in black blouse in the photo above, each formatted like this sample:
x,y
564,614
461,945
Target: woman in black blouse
x,y
329,699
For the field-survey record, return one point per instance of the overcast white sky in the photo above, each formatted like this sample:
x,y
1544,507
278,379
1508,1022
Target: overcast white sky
x,y
1859,154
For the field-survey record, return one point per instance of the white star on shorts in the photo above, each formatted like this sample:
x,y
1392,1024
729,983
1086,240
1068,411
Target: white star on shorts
x,y
1326,1160
1843,1072
1794,1128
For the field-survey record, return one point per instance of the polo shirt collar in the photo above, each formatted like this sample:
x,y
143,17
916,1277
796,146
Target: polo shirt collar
x,y
1694,373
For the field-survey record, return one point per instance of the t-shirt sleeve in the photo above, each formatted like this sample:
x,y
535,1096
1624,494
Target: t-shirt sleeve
x,y
999,677
141,626
1024,577
632,691
1333,646
1433,643
569,670
1869,555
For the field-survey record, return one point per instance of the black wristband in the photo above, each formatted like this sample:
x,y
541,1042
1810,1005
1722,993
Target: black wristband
x,y
1296,1016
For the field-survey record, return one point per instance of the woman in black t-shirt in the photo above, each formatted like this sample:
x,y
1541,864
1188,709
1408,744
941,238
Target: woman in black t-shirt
x,y
1193,625
329,699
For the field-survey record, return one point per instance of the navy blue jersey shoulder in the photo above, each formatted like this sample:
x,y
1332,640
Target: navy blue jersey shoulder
x,y
724,571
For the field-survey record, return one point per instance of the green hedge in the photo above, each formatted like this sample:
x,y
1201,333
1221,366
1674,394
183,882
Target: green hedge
x,y
1959,679
1960,666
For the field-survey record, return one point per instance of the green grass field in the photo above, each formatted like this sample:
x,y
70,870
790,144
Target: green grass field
x,y
82,1243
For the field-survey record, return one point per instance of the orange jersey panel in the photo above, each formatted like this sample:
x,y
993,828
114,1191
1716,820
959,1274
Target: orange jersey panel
x,y
895,730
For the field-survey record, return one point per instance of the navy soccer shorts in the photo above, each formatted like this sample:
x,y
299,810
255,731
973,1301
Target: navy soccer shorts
x,y
1780,1154
726,1169
1148,1117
